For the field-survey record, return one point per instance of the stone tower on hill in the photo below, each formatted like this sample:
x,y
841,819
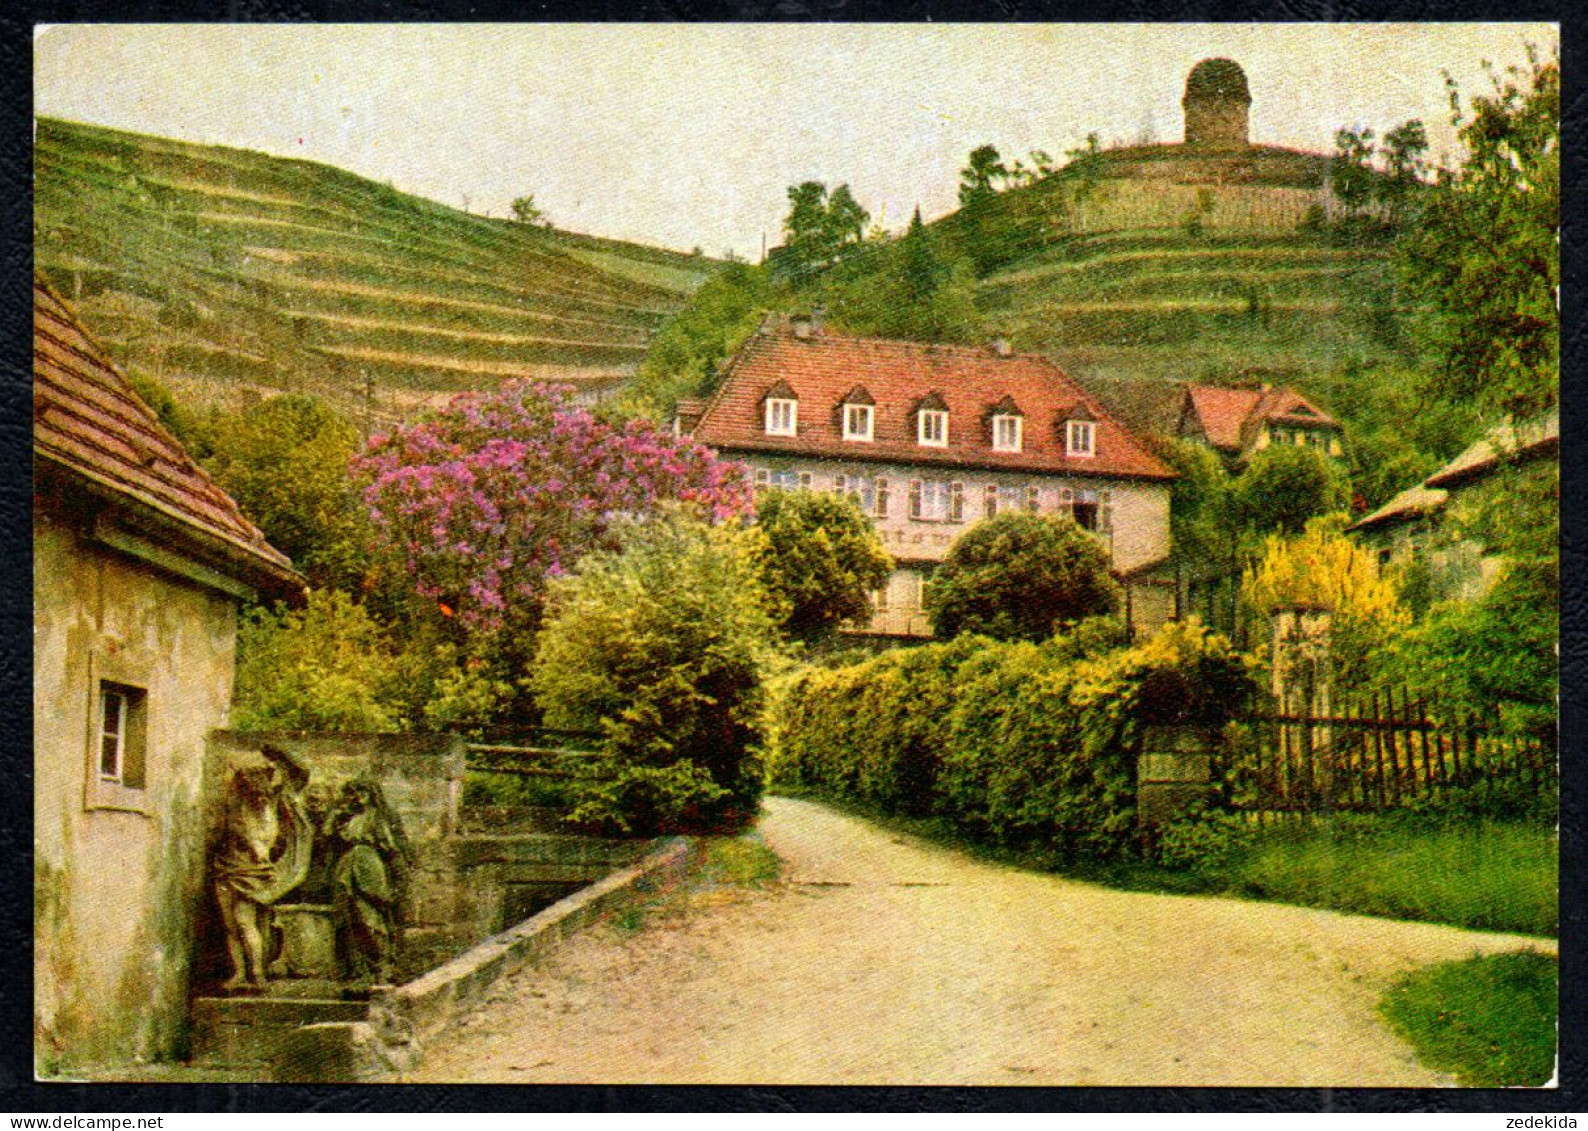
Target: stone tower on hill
x,y
1216,103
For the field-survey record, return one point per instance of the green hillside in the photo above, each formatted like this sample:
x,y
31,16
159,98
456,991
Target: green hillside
x,y
220,270
1161,262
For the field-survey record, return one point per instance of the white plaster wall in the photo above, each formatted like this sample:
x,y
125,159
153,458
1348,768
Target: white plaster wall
x,y
116,891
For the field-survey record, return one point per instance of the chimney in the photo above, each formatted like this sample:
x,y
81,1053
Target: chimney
x,y
1000,346
802,326
686,415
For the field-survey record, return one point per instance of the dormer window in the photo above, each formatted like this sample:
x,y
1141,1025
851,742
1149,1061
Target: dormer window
x,y
859,415
1080,433
782,417
1007,433
931,422
782,410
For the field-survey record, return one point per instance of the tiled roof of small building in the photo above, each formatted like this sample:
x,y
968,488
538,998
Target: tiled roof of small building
x,y
88,420
823,368
1229,417
1524,440
1414,502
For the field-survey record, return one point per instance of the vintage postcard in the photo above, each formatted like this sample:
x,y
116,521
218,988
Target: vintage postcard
x,y
797,554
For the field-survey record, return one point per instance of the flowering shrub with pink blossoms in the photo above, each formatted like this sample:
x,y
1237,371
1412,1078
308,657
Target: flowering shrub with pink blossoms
x,y
487,499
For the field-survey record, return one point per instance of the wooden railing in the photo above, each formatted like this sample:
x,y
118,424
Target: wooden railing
x,y
536,752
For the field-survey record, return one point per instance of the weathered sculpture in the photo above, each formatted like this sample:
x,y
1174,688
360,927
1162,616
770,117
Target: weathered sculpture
x,y
370,856
264,854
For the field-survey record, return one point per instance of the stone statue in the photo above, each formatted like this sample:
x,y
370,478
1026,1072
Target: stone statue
x,y
264,854
370,854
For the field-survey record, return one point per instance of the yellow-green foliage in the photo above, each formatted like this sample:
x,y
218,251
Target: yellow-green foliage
x,y
1321,567
1020,744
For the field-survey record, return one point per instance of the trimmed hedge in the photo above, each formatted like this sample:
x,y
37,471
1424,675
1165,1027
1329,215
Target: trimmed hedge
x,y
1018,744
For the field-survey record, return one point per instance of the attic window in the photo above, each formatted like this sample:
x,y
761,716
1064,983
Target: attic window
x,y
1007,433
931,421
782,416
1080,438
858,414
858,421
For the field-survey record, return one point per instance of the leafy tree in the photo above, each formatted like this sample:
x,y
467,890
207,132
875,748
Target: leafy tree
x,y
327,666
487,499
977,177
1403,151
818,226
1202,521
661,645
1321,566
906,289
822,562
1483,262
1352,178
526,211
1021,576
285,462
683,358
1282,487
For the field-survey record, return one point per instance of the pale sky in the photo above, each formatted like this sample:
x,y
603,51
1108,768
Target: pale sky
x,y
690,134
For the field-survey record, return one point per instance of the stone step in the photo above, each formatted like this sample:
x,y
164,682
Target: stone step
x,y
248,1032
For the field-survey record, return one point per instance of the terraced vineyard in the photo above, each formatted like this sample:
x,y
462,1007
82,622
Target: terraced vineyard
x,y
1157,303
221,270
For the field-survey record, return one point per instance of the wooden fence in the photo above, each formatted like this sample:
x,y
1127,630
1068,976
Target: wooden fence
x,y
1377,754
535,752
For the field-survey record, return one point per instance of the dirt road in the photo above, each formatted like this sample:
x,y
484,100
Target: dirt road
x,y
881,959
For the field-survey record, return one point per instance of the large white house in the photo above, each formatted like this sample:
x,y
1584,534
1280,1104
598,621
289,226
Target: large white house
x,y
930,439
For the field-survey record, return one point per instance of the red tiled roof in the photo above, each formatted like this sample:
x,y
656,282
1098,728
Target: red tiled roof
x,y
824,368
1222,412
88,419
1229,417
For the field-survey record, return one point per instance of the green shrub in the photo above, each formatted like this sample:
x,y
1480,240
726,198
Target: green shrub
x,y
1021,576
662,646
1204,842
327,666
823,560
1017,744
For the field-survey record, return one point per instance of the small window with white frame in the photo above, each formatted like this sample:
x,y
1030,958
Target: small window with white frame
x,y
1008,433
881,498
120,735
1080,438
932,427
782,416
858,420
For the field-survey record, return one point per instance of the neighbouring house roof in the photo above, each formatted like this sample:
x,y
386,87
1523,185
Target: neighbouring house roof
x,y
899,376
89,423
1527,441
1230,418
1145,407
1412,503
1506,440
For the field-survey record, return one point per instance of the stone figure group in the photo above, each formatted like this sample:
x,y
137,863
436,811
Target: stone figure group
x,y
267,846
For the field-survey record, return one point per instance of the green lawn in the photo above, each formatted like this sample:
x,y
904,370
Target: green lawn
x,y
1484,875
1489,1021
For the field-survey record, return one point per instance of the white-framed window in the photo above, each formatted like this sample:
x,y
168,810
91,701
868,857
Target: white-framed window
x,y
1105,512
879,598
857,421
782,480
805,481
763,478
956,502
1080,438
857,487
1033,499
782,416
1008,433
932,427
989,500
932,500
882,498
120,734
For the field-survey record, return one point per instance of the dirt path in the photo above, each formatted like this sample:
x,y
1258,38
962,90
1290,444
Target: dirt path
x,y
884,960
